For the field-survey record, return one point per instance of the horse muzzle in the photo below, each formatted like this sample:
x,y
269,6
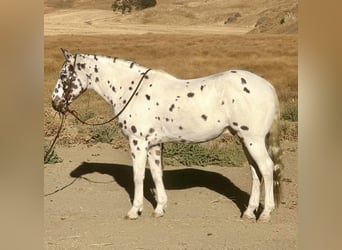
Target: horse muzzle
x,y
59,104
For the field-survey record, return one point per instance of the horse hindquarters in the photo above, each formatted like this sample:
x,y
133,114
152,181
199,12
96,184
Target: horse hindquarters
x,y
264,156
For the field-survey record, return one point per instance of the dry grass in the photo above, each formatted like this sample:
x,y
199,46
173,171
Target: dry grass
x,y
89,4
186,56
271,56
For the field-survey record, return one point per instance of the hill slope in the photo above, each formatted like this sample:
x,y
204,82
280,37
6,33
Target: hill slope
x,y
272,16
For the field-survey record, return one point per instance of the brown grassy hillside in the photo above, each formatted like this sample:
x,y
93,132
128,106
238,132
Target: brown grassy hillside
x,y
52,5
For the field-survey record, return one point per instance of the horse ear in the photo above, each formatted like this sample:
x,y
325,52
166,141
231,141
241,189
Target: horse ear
x,y
66,53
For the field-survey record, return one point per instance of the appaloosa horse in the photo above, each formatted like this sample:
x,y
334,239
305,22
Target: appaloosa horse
x,y
155,107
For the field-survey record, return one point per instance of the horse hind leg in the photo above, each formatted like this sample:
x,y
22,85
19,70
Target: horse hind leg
x,y
257,150
254,199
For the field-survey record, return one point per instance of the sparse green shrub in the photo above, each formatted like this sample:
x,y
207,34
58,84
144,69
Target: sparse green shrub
x,y
87,115
290,113
84,116
127,5
52,158
104,133
143,4
202,154
289,130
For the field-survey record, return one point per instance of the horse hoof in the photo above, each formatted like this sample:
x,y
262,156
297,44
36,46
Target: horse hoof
x,y
264,218
157,215
249,217
130,217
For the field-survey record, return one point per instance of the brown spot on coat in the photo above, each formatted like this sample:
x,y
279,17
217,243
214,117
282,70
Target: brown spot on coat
x,y
246,90
243,127
171,107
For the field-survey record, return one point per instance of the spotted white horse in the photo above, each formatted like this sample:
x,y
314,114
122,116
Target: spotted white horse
x,y
167,109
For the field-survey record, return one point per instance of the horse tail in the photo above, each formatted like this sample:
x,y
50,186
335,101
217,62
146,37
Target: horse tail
x,y
275,152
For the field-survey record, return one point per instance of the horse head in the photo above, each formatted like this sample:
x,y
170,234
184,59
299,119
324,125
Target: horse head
x,y
70,83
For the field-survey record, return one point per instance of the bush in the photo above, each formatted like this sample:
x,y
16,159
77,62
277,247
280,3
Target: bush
x,y
129,4
202,154
52,158
87,115
143,4
104,133
289,130
290,113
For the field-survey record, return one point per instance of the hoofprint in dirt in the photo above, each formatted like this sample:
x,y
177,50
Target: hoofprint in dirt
x,y
204,207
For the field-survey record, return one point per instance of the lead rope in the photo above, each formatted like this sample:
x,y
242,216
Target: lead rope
x,y
74,113
55,139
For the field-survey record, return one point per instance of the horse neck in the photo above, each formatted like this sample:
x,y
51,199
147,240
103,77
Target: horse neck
x,y
115,79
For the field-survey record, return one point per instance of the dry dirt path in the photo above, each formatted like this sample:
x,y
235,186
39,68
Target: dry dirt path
x,y
105,22
203,210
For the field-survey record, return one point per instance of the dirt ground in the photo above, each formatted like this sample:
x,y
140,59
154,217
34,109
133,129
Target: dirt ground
x,y
95,185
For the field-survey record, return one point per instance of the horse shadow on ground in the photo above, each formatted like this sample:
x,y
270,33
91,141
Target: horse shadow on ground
x,y
173,180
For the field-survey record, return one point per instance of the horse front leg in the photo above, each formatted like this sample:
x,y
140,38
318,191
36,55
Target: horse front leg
x,y
156,166
139,155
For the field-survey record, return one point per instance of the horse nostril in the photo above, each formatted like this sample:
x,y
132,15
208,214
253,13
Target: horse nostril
x,y
58,104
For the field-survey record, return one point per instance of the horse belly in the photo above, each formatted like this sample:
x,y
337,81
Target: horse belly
x,y
195,128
